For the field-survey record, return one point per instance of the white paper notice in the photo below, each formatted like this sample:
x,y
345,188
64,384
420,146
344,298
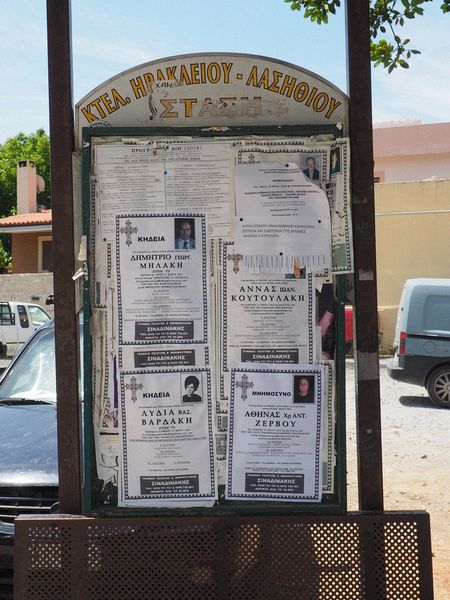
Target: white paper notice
x,y
127,181
274,435
165,176
338,192
281,218
266,318
162,285
167,449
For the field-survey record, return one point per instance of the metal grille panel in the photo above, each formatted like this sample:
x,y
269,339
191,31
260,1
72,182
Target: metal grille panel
x,y
16,500
401,559
351,557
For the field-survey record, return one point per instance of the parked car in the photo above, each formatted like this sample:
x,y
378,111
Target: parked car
x,y
422,338
28,444
18,320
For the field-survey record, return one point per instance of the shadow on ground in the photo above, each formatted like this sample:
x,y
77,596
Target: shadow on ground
x,y
417,402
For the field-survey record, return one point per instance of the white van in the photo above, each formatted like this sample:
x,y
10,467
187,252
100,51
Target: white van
x,y
422,338
18,320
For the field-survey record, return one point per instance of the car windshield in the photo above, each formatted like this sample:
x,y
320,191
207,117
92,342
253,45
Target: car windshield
x,y
33,377
38,315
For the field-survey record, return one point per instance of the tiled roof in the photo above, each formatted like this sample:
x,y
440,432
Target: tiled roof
x,y
38,218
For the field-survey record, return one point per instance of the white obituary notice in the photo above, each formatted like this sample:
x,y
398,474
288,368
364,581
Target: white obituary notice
x,y
162,279
267,318
274,433
167,454
281,217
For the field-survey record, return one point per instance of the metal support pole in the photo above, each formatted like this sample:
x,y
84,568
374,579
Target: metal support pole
x,y
370,476
66,332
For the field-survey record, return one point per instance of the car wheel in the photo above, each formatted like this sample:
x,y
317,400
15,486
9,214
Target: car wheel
x,y
438,387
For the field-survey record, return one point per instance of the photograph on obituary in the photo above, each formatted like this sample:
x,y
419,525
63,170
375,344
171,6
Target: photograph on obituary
x,y
191,392
335,161
184,234
311,166
304,389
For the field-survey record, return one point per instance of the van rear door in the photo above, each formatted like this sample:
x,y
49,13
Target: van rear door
x,y
428,323
402,313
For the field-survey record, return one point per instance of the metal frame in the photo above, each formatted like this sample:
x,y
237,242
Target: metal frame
x,y
66,332
368,418
368,398
336,503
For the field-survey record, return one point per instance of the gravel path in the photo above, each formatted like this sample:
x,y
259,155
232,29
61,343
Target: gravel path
x,y
416,462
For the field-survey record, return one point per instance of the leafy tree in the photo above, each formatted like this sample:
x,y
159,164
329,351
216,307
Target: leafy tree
x,y
35,147
5,259
386,17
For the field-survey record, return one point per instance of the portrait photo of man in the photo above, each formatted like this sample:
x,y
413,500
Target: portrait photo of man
x,y
184,234
304,389
311,171
191,385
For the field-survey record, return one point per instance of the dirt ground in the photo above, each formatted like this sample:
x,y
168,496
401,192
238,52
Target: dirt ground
x,y
416,462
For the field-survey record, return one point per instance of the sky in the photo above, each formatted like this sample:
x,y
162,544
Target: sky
x,y
109,37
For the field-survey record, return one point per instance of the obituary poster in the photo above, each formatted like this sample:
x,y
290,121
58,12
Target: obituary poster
x,y
281,217
264,317
338,192
167,445
274,433
328,434
326,164
162,279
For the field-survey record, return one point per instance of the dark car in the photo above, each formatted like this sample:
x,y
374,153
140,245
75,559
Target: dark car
x,y
28,444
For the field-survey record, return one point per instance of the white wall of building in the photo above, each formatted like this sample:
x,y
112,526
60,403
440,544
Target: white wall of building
x,y
412,168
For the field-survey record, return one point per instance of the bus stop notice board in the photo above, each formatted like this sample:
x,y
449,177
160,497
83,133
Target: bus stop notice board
x,y
214,255
209,363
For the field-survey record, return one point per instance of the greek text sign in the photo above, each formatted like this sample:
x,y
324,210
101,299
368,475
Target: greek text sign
x,y
212,89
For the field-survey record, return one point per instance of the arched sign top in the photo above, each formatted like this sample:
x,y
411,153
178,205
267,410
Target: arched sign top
x,y
212,89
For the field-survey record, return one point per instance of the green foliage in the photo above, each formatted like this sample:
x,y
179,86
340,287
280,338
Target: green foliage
x,y
35,147
386,17
5,259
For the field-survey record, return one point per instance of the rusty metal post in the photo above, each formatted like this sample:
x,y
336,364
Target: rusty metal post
x,y
66,332
368,426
